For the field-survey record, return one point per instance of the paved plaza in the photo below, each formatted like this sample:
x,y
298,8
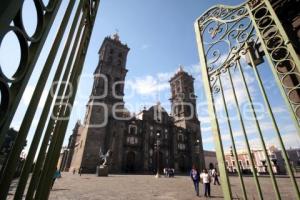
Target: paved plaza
x,y
147,187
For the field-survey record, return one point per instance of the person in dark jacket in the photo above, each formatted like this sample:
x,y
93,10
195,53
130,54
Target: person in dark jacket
x,y
56,175
195,176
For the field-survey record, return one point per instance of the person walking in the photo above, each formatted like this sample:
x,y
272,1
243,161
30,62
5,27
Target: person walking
x,y
80,171
57,174
206,178
215,176
195,176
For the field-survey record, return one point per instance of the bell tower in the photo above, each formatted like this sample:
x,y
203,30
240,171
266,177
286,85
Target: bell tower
x,y
110,73
183,99
184,112
105,104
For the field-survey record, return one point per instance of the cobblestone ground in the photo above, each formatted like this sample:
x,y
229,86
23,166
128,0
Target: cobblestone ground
x,y
146,187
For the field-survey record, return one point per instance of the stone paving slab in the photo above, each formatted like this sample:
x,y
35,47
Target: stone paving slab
x,y
147,187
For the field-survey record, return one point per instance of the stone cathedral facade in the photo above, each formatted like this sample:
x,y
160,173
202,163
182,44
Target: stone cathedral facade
x,y
133,140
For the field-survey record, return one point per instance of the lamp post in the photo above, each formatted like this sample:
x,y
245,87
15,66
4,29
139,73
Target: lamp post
x,y
197,153
157,155
231,155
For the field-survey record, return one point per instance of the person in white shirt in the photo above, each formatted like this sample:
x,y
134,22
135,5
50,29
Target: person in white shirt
x,y
206,182
215,176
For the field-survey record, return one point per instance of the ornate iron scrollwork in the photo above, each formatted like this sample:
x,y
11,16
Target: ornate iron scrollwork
x,y
225,31
280,55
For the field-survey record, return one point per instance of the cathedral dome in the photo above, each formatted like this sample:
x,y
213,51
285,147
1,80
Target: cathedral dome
x,y
158,113
157,108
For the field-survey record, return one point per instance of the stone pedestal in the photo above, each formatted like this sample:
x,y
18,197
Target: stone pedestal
x,y
102,170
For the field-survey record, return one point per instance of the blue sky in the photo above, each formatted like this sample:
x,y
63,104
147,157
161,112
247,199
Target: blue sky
x,y
160,34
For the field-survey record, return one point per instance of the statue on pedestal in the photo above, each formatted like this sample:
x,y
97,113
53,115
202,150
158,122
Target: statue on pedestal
x,y
105,158
102,169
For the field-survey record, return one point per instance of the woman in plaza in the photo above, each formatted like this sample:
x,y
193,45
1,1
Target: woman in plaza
x,y
195,176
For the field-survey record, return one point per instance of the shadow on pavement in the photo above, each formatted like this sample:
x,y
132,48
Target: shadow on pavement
x,y
59,189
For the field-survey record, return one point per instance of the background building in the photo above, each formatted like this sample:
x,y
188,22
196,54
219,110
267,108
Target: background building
x,y
275,155
210,158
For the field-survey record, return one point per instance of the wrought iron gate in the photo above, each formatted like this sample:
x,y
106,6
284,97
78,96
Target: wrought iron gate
x,y
60,98
231,40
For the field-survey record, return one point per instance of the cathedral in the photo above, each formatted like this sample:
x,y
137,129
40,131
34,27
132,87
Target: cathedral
x,y
140,143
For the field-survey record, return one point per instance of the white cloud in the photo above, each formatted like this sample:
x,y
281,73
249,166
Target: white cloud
x,y
194,70
216,62
166,76
204,119
148,85
205,129
28,94
290,140
145,46
279,109
207,140
241,93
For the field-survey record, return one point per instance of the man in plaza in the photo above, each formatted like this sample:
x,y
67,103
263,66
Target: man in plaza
x,y
215,176
56,175
195,176
206,178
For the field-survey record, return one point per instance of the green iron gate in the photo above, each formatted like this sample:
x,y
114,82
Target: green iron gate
x,y
227,37
60,97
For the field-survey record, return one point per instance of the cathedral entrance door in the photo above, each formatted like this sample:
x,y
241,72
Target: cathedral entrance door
x,y
130,161
182,165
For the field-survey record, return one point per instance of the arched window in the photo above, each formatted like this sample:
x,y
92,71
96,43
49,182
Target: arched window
x,y
180,138
118,86
188,110
132,130
119,62
110,59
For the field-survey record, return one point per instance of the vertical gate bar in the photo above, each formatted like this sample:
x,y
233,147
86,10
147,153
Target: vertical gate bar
x,y
61,127
284,35
257,184
232,137
274,183
267,104
212,113
18,88
271,65
11,164
57,110
47,135
60,133
40,127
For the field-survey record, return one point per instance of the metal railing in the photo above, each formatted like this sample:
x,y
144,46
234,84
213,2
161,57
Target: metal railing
x,y
65,87
226,36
